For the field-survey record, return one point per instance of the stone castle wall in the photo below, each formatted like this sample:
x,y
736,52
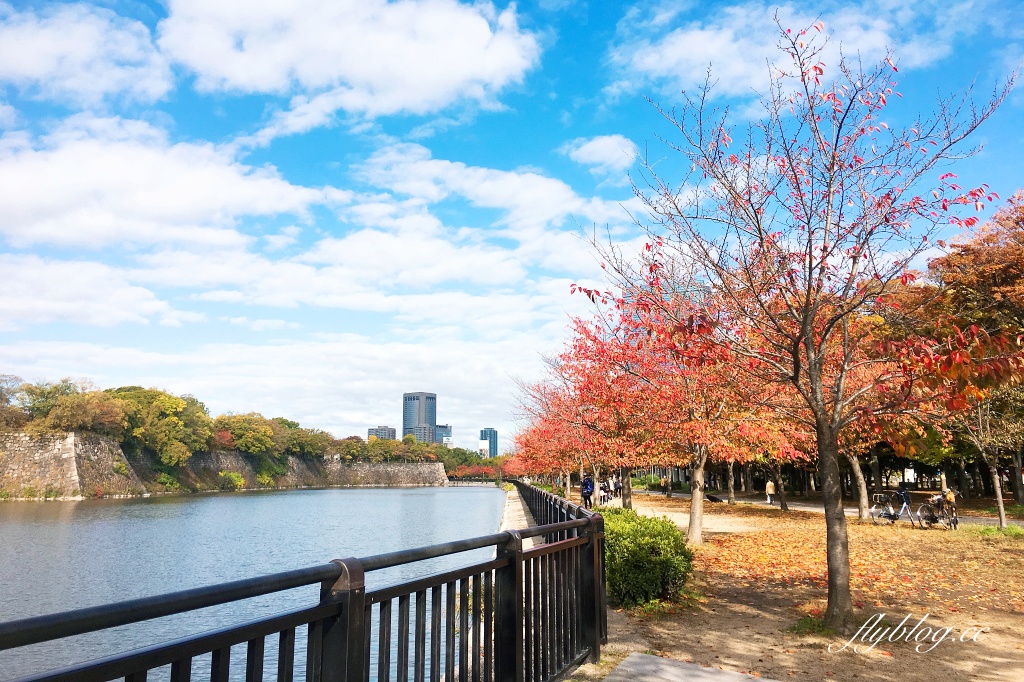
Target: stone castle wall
x,y
64,465
79,465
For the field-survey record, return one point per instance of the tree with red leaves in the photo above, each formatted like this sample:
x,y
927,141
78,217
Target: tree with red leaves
x,y
799,227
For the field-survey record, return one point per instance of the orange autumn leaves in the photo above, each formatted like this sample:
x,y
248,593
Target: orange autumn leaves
x,y
889,566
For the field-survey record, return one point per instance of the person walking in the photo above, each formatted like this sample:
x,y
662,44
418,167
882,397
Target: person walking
x,y
664,484
586,491
769,490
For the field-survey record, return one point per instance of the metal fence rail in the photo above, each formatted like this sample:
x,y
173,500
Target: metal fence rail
x,y
524,616
552,512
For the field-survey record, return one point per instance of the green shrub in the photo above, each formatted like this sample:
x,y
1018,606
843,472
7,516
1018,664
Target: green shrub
x,y
645,558
264,480
121,468
168,481
231,480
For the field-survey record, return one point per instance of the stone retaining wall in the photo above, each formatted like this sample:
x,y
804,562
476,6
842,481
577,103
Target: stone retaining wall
x,y
64,465
86,465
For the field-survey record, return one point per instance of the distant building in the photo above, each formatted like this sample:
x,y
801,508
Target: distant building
x,y
382,433
419,410
490,436
424,433
448,442
442,431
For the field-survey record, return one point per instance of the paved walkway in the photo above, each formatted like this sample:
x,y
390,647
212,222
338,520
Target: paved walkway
x,y
517,515
816,507
647,668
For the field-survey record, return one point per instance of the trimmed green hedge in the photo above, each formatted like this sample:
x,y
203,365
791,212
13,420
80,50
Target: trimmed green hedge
x,y
645,558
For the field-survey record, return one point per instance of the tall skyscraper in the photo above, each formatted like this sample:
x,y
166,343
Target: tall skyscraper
x,y
418,410
491,436
381,432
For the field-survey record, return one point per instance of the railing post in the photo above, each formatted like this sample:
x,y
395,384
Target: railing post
x,y
592,602
508,613
342,656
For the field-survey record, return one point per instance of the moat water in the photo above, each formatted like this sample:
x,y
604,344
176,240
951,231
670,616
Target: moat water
x,y
57,556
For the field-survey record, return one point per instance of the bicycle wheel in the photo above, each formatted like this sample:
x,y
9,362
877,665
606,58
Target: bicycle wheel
x,y
876,514
926,515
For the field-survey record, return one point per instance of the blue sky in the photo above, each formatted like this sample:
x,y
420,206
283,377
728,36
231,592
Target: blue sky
x,y
307,208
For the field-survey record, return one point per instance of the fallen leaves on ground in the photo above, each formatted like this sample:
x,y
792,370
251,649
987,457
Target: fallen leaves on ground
x,y
888,565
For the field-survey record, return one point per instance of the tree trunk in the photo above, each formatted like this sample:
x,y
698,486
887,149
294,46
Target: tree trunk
x,y
732,483
862,486
876,473
780,492
1015,474
839,612
626,476
997,485
694,531
568,485
813,474
961,477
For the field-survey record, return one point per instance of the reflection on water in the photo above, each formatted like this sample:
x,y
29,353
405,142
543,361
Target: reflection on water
x,y
56,556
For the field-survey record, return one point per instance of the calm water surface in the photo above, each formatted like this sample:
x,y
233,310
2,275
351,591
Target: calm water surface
x,y
56,556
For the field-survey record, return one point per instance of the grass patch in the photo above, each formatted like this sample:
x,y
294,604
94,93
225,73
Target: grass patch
x,y
1011,531
1015,510
809,625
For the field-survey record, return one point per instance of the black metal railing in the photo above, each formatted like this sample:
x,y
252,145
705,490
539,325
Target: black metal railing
x,y
551,511
526,615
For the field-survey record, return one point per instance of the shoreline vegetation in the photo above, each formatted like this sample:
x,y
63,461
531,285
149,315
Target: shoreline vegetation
x,y
145,440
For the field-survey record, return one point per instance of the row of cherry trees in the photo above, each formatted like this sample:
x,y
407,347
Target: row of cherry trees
x,y
772,313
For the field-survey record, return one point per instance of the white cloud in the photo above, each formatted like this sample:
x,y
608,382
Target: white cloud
x,y
37,290
740,41
529,199
605,154
362,56
262,325
8,116
100,181
80,54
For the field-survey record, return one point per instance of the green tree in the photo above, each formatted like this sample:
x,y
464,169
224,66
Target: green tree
x,y
11,417
252,432
94,411
171,426
38,399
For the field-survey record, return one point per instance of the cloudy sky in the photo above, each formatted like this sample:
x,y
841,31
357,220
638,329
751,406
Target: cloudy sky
x,y
306,208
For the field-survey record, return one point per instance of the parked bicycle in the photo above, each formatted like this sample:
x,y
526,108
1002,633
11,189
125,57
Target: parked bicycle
x,y
890,507
939,509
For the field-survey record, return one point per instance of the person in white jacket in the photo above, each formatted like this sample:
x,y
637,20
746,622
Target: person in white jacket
x,y
769,490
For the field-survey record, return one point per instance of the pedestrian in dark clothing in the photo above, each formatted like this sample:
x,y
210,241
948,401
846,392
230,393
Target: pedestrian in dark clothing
x,y
587,491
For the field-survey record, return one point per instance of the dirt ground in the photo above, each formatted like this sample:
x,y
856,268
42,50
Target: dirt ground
x,y
761,571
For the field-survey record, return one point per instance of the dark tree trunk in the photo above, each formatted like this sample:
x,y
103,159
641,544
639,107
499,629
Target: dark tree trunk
x,y
732,483
997,487
626,476
876,473
1015,474
775,470
961,477
839,612
862,486
977,480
